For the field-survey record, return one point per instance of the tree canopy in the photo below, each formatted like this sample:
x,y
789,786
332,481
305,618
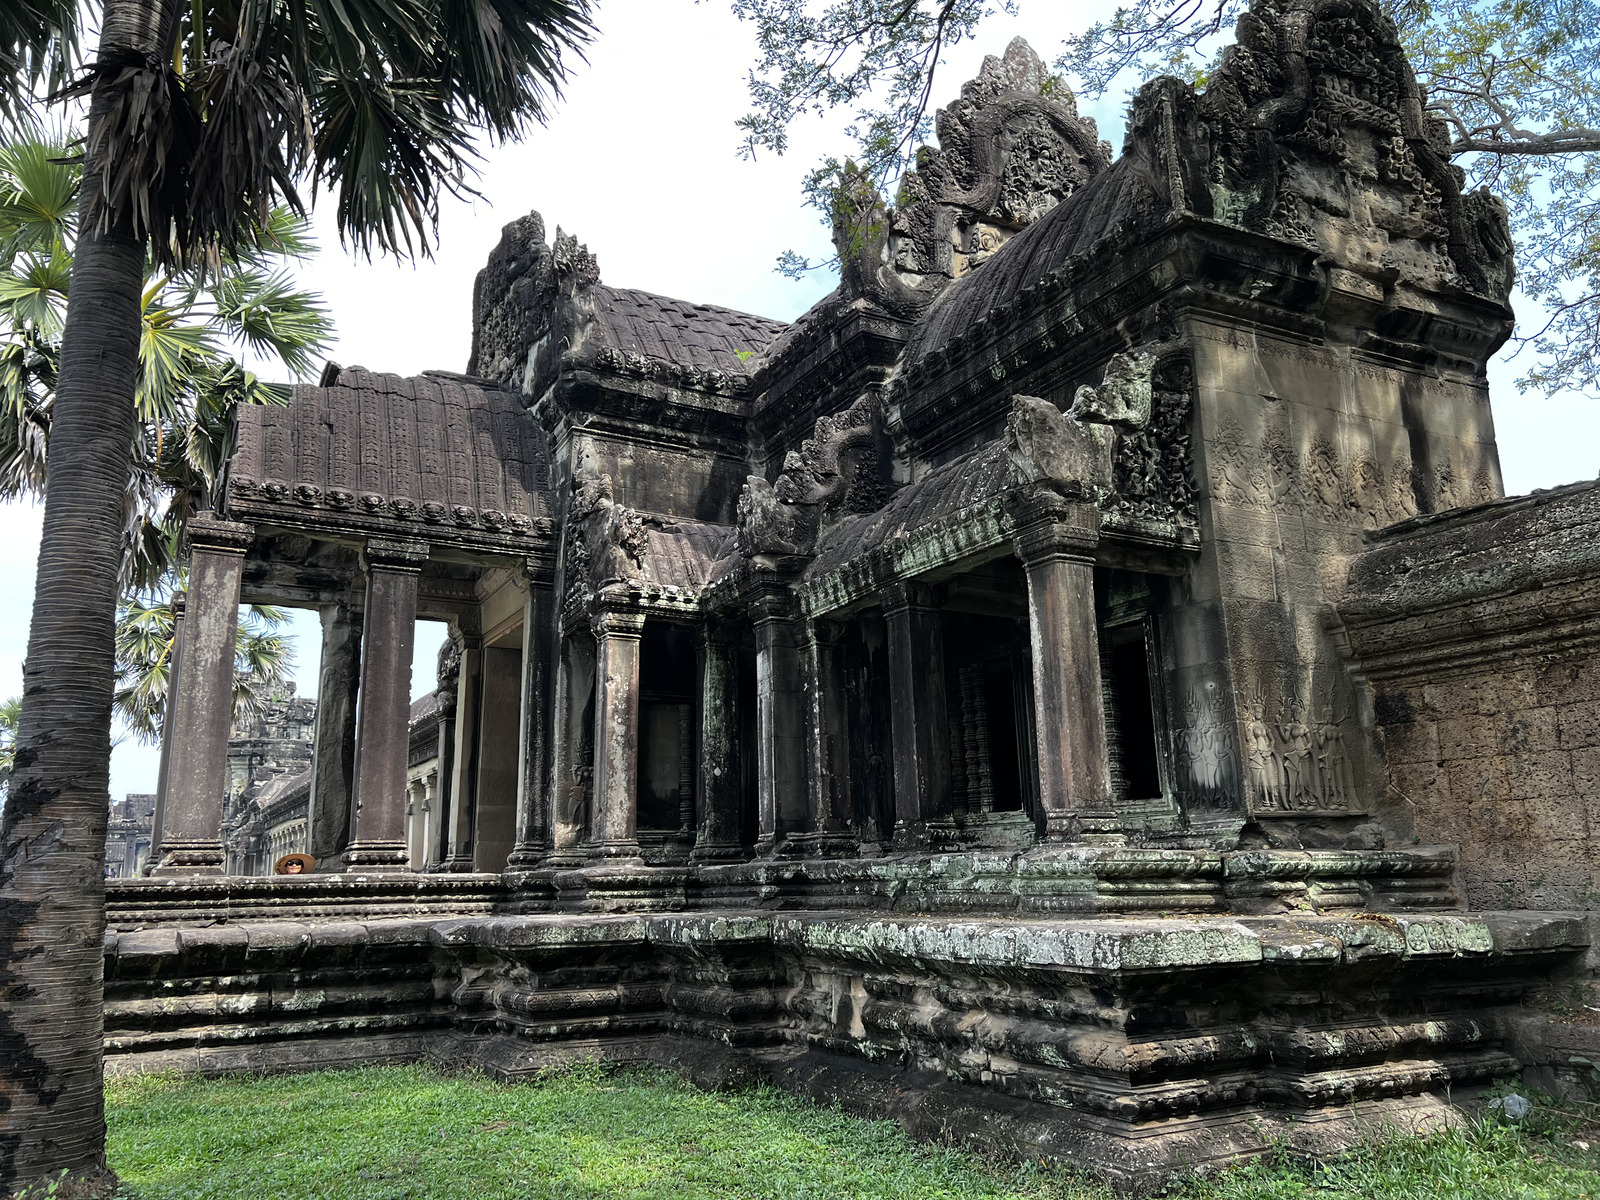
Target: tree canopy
x,y
1515,82
200,334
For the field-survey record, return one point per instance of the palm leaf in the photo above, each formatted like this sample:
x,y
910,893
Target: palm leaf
x,y
34,292
38,195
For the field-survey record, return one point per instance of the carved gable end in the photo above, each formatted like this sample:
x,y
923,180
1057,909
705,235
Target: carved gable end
x,y
531,304
1010,149
1319,137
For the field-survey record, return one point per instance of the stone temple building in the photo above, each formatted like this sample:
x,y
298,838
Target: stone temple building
x,y
1080,686
267,808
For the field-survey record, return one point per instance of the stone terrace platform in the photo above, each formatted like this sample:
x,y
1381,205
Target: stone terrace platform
x,y
1134,1045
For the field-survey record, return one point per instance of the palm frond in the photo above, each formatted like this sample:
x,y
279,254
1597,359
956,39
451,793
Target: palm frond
x,y
272,316
39,49
38,195
33,293
502,62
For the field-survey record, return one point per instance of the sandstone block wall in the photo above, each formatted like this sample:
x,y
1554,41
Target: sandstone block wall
x,y
1478,632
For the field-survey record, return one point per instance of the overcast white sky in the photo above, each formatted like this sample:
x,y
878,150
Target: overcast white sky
x,y
640,162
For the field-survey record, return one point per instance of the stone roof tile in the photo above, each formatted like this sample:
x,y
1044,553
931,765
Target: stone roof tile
x,y
437,448
700,336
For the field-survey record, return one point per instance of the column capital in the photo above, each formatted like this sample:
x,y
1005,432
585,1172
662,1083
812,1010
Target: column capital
x,y
1049,526
613,622
903,595
711,633
769,597
209,532
394,554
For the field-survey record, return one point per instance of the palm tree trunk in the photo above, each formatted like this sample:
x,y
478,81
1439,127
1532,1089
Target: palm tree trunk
x,y
52,834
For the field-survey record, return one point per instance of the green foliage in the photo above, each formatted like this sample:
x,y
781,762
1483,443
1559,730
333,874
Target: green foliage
x,y
411,1133
10,713
1514,84
197,330
263,660
378,101
880,57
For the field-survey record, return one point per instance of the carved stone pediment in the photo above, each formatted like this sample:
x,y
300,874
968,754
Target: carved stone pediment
x,y
1061,451
606,541
1010,149
530,303
1319,135
1124,442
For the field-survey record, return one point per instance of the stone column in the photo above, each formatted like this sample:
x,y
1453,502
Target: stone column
x,y
616,733
430,807
378,814
828,741
570,768
781,800
919,726
333,753
447,687
534,816
200,702
718,836
1056,542
179,602
414,823
463,754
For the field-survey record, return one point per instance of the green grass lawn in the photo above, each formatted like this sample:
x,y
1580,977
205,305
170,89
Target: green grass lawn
x,y
417,1134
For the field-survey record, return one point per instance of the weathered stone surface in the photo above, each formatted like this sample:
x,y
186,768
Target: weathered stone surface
x,y
1053,692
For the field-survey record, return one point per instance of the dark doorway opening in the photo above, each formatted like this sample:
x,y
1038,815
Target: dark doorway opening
x,y
1130,713
667,742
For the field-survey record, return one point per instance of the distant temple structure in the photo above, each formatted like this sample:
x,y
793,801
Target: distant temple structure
x,y
1080,686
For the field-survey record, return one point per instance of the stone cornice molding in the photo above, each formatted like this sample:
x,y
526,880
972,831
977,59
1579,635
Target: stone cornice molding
x,y
905,595
617,623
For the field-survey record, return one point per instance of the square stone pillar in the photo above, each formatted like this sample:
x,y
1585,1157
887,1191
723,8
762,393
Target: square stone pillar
x,y
378,814
463,776
179,603
571,769
828,737
919,725
534,815
1056,541
200,701
333,753
718,836
616,733
430,820
781,795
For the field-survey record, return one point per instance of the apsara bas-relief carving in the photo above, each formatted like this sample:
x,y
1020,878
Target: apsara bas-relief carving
x,y
1297,759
